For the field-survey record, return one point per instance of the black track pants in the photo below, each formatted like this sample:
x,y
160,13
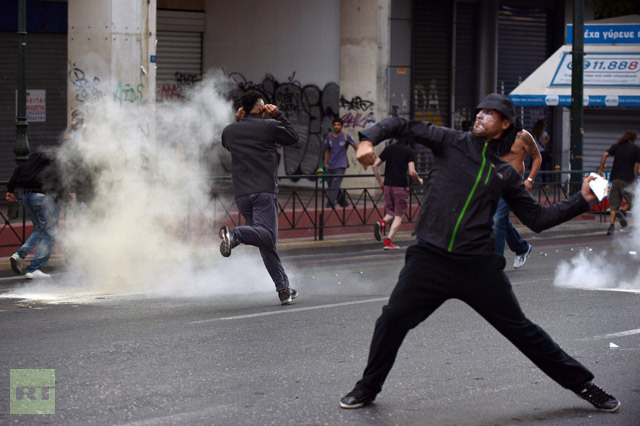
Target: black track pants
x,y
431,276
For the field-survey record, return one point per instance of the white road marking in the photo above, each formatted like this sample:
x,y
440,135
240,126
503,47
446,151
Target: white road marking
x,y
619,334
291,310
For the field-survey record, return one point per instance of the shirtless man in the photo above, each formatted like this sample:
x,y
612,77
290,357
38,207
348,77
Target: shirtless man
x,y
504,230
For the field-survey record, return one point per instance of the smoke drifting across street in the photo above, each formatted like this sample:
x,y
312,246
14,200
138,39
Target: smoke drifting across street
x,y
149,181
617,268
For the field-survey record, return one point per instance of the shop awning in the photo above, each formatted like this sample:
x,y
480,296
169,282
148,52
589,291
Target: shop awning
x,y
611,71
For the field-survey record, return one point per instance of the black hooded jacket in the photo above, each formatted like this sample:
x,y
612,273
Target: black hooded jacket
x,y
465,183
40,173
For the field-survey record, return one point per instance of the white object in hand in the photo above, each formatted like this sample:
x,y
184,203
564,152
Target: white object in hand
x,y
599,186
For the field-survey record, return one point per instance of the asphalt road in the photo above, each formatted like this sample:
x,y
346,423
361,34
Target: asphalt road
x,y
206,351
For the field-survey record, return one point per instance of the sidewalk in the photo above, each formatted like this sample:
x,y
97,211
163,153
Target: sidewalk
x,y
287,247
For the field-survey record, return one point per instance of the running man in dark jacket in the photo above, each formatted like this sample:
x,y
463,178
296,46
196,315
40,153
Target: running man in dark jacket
x,y
455,255
624,172
252,142
39,178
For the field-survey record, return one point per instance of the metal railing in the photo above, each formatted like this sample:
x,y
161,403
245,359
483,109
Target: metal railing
x,y
302,206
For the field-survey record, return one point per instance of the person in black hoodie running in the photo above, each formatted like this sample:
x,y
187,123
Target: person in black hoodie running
x,y
455,254
40,180
252,142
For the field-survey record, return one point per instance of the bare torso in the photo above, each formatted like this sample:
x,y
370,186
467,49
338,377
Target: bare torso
x,y
523,145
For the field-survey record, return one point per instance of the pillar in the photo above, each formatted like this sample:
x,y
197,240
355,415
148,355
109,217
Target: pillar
x,y
111,52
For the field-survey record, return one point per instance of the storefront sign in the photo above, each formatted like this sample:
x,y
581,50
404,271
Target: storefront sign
x,y
602,69
608,34
36,105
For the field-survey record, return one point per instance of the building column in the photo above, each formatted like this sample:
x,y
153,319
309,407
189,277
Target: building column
x,y
111,52
364,62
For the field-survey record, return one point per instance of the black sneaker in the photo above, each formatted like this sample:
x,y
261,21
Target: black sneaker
x,y
377,228
228,241
623,221
287,295
611,229
356,399
598,398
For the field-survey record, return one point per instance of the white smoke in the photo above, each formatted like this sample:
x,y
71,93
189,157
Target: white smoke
x,y
616,268
139,233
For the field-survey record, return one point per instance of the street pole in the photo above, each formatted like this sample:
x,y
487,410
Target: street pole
x,y
577,94
21,146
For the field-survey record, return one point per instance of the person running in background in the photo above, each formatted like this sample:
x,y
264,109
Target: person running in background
x,y
42,190
253,141
513,151
399,159
624,172
336,162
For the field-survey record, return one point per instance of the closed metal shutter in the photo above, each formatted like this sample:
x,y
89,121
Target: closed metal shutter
x,y
431,62
602,128
431,67
46,70
466,64
179,52
524,42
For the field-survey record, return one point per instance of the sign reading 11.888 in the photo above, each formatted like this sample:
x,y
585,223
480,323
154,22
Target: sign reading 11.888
x,y
602,69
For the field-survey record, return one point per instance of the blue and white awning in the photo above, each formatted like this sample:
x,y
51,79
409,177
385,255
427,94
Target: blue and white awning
x,y
611,78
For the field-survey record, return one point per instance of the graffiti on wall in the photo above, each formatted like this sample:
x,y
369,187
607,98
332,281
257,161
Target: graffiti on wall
x,y
171,91
310,110
124,93
85,89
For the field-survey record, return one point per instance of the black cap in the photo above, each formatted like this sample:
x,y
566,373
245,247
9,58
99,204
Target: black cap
x,y
500,103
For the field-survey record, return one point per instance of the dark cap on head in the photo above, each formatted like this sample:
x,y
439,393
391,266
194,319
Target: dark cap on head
x,y
500,103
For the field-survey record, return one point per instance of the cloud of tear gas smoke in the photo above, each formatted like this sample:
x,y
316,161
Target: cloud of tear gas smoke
x,y
617,268
150,184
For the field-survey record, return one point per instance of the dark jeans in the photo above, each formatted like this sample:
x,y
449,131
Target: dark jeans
x,y
261,213
430,277
335,194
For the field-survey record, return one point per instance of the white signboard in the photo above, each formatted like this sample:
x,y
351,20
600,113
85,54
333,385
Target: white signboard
x,y
36,105
602,69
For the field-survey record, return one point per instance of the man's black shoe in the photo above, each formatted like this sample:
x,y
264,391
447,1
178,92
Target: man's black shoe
x,y
287,295
623,221
356,399
598,398
228,241
611,229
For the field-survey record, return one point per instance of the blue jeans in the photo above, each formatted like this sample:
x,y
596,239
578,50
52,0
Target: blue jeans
x,y
43,212
260,210
505,231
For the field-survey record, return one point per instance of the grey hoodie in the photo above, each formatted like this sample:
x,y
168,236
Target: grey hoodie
x,y
252,142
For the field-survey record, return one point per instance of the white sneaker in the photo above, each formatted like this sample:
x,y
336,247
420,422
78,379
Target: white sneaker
x,y
521,259
16,263
35,275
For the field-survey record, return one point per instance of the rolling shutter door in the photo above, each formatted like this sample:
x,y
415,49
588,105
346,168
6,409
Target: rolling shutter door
x,y
179,52
466,64
602,128
46,70
431,62
523,44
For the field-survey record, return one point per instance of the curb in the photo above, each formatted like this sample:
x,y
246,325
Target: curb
x,y
362,242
